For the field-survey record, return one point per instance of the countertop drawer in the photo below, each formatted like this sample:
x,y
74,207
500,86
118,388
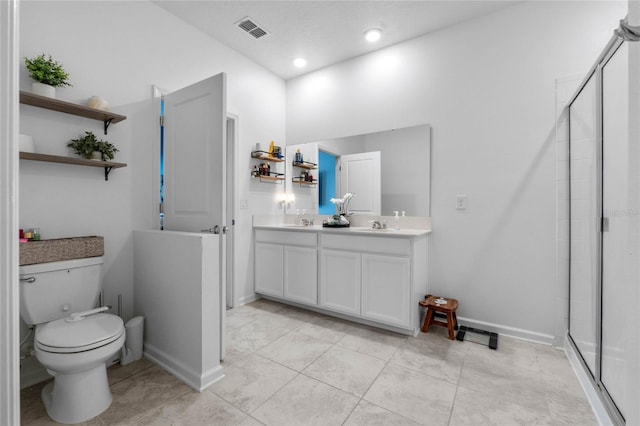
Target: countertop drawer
x,y
399,246
287,237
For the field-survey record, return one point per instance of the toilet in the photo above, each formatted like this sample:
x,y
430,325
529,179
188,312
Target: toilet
x,y
72,340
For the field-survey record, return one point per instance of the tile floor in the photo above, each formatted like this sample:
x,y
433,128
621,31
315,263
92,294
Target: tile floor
x,y
286,366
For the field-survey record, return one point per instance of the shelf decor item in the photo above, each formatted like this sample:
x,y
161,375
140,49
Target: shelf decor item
x,y
86,145
47,73
339,219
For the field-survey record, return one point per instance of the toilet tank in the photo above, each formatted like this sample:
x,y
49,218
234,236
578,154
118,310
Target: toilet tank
x,y
53,290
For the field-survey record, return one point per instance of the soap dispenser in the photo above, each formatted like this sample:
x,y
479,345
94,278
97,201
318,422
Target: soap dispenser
x,y
396,220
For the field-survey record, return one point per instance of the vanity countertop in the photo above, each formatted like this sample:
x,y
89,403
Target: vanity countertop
x,y
354,230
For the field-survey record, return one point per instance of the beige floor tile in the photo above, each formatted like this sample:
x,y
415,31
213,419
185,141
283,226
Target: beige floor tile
x,y
251,381
250,421
368,414
294,350
31,405
379,343
117,373
238,317
505,381
305,401
345,369
511,352
194,408
439,359
251,337
328,329
47,421
142,393
483,408
413,395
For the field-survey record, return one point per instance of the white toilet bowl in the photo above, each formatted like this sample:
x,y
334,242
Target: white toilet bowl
x,y
75,352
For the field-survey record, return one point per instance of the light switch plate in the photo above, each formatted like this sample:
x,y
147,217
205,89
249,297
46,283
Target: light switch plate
x,y
461,202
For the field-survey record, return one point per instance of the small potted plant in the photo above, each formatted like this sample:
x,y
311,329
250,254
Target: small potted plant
x,y
90,147
47,73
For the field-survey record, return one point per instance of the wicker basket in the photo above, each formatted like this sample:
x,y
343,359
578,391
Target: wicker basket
x,y
60,249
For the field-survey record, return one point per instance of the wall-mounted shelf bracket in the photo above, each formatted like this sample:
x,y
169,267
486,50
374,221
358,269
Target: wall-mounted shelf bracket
x,y
106,124
107,169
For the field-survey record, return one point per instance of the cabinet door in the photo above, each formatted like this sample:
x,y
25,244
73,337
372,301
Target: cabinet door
x,y
269,266
386,289
301,274
340,273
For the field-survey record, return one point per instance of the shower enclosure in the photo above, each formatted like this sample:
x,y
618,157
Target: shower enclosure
x,y
604,225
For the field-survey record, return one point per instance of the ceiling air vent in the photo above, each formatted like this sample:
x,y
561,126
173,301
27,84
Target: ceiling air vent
x,y
249,25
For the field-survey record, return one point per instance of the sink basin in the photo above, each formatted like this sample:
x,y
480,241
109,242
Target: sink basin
x,y
367,229
295,225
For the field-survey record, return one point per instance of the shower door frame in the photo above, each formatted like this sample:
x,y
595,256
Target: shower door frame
x,y
596,376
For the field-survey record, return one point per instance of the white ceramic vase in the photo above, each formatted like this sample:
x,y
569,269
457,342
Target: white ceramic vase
x,y
43,89
96,155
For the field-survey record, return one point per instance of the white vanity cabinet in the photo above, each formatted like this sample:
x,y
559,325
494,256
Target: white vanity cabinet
x,y
371,277
286,265
269,272
340,278
392,273
386,289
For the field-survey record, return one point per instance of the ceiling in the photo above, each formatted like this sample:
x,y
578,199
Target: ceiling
x,y
323,32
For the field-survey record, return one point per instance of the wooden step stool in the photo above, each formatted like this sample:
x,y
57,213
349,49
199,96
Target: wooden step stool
x,y
448,308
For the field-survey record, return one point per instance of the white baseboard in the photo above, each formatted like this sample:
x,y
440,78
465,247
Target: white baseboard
x,y
505,330
248,299
599,410
177,368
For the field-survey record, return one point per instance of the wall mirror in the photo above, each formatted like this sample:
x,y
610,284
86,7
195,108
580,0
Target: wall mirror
x,y
399,179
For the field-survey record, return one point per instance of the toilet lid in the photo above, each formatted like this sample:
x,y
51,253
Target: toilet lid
x,y
89,333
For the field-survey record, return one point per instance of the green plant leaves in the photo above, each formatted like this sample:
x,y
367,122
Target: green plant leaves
x,y
47,71
87,144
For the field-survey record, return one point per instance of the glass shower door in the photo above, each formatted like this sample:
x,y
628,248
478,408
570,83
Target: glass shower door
x,y
584,219
620,237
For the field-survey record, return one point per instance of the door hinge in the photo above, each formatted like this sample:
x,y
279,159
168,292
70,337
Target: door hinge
x,y
162,121
604,224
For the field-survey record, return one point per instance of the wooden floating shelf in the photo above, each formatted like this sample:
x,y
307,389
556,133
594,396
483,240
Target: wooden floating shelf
x,y
107,165
263,155
306,165
266,178
303,182
106,117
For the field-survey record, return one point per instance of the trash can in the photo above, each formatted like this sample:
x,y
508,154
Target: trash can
x,y
132,349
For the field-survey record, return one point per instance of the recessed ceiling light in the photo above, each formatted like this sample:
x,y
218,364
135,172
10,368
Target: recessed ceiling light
x,y
300,62
373,34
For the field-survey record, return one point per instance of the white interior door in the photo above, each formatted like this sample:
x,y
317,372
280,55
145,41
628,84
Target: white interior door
x,y
195,172
360,174
195,146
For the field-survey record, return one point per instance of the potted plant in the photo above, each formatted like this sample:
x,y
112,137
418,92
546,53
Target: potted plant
x,y
90,147
47,73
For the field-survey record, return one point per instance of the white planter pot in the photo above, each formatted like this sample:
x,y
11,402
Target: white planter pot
x,y
43,89
96,155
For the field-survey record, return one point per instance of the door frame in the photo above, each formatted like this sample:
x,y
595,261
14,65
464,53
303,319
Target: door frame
x,y
233,126
9,215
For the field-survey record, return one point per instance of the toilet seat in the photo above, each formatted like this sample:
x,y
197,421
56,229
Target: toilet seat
x,y
90,333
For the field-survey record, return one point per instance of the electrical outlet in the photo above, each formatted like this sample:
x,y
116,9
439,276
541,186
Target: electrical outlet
x,y
461,202
244,204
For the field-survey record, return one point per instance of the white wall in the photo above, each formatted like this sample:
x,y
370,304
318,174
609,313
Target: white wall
x,y
179,297
118,50
487,87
